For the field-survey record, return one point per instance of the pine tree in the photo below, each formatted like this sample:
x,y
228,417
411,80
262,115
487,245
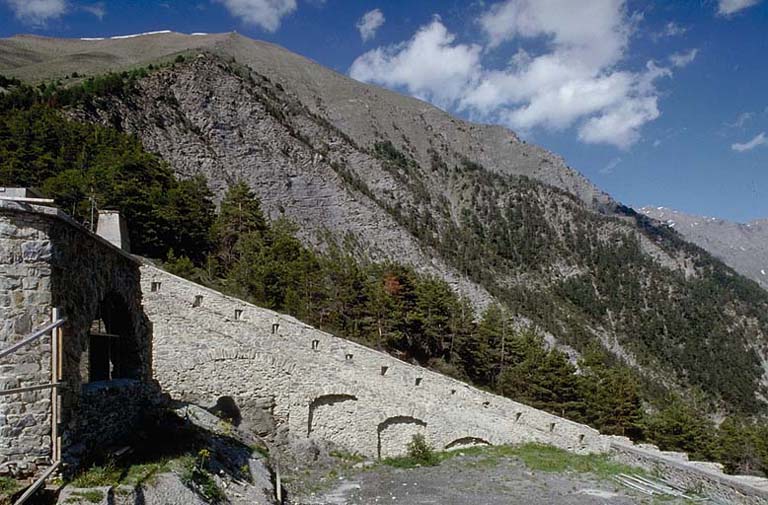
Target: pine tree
x,y
679,427
240,215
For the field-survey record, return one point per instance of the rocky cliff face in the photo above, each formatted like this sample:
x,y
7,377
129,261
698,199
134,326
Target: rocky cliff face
x,y
390,177
744,247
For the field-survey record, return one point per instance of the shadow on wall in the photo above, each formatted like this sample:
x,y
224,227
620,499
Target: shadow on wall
x,y
463,442
107,339
395,433
325,400
226,408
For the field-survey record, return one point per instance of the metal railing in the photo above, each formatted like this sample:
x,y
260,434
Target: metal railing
x,y
32,337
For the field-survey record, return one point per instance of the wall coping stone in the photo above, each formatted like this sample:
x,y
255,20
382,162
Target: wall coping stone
x,y
755,486
56,213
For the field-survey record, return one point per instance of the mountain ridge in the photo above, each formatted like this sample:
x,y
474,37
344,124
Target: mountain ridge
x,y
391,178
51,62
743,246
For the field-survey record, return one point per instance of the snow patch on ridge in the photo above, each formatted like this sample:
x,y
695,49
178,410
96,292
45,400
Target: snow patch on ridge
x,y
134,35
117,37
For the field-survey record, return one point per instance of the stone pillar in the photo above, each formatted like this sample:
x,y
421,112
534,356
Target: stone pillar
x,y
112,228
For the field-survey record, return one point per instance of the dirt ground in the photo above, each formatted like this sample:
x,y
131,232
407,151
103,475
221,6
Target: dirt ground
x,y
470,480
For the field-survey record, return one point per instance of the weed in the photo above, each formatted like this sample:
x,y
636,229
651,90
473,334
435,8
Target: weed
x,y
195,476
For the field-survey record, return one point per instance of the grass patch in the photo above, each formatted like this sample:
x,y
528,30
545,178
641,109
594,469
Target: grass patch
x,y
114,475
347,457
98,476
91,496
544,458
144,473
8,487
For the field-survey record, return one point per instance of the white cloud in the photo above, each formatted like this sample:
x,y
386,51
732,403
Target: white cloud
x,y
728,7
37,12
429,66
741,120
98,9
610,166
264,13
673,29
573,77
370,23
758,140
620,125
682,59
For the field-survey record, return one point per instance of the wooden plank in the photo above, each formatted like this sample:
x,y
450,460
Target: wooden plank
x,y
31,490
55,350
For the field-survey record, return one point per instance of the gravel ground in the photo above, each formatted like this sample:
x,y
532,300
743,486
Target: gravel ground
x,y
470,480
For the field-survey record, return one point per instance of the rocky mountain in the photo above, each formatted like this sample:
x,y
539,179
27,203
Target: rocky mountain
x,y
389,177
743,246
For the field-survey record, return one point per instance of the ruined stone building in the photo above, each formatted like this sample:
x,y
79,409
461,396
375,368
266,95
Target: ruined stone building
x,y
78,388
131,331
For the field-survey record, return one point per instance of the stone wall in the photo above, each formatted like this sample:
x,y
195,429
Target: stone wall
x,y
702,478
47,261
25,304
209,347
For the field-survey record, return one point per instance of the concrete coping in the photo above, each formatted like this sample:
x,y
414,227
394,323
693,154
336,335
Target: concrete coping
x,y
56,213
749,486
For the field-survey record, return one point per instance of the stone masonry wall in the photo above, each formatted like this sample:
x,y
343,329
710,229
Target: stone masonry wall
x,y
208,346
702,478
25,304
322,386
47,261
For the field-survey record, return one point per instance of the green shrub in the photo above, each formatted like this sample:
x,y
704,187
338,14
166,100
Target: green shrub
x,y
421,451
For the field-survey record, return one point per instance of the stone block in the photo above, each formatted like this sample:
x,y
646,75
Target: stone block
x,y
36,250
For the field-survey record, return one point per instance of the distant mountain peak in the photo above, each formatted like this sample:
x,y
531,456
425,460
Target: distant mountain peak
x,y
742,246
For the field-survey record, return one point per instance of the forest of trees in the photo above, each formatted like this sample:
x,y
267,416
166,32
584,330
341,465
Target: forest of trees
x,y
421,320
383,305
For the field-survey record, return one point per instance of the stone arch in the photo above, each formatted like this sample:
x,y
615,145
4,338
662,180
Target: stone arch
x,y
463,442
337,413
394,434
280,365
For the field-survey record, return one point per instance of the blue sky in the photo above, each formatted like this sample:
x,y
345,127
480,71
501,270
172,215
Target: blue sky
x,y
659,103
